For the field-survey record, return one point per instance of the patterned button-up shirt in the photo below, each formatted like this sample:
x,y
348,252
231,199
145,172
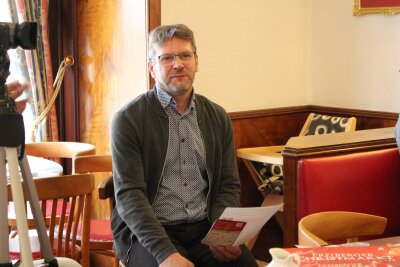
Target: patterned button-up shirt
x,y
183,188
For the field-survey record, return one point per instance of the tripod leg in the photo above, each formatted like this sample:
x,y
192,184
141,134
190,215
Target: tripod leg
x,y
20,211
31,192
4,258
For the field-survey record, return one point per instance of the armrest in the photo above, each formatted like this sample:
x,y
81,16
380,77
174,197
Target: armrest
x,y
106,188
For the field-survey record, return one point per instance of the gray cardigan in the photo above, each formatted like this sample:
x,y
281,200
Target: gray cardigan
x,y
139,140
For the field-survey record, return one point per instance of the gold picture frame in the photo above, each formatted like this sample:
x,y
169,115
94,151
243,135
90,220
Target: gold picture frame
x,y
387,7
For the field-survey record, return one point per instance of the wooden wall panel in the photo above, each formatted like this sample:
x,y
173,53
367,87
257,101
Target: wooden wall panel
x,y
112,68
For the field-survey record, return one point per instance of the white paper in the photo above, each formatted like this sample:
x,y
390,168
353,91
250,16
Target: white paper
x,y
255,218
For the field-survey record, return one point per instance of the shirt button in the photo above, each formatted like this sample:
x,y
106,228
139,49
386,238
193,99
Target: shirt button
x,y
186,205
183,140
185,184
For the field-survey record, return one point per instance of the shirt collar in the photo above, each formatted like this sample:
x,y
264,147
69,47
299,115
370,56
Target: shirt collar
x,y
166,99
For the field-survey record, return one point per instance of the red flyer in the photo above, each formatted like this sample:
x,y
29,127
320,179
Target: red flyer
x,y
347,256
223,233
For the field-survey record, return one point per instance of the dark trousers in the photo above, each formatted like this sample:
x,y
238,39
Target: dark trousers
x,y
186,238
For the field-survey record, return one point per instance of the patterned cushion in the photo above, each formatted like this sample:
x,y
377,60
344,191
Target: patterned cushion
x,y
271,176
323,124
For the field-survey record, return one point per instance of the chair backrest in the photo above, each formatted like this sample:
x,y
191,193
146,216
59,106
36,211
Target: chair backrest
x,y
365,182
319,229
66,150
325,124
74,192
95,164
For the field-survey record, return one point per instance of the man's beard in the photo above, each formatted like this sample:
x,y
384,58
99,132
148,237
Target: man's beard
x,y
178,89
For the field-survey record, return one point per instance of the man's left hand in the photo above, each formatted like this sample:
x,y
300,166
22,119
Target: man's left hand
x,y
226,253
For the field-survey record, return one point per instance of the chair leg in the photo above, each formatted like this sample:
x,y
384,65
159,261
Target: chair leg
x,y
279,218
116,261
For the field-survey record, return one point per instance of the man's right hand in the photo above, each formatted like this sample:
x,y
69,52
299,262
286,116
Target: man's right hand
x,y
176,260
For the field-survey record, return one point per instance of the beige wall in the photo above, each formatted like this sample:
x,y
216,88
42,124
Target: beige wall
x,y
355,60
252,54
258,54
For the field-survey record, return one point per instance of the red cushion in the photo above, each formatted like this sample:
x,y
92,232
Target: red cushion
x,y
100,230
367,182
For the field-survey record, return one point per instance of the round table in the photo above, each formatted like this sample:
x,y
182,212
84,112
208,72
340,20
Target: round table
x,y
41,167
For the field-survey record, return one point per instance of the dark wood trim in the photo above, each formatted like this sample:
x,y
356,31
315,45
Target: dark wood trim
x,y
316,109
63,40
154,14
268,112
355,112
71,76
55,51
154,20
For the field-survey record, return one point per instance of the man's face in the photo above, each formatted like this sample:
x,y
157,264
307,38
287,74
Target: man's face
x,y
175,77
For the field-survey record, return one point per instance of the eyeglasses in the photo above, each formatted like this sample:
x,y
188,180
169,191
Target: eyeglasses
x,y
169,59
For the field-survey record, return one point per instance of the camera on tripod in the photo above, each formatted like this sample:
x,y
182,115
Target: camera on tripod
x,y
12,35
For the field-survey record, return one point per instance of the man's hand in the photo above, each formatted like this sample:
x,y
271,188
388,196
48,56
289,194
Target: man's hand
x,y
176,260
226,253
15,89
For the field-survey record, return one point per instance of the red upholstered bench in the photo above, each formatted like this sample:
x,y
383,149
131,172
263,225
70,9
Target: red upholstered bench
x,y
367,182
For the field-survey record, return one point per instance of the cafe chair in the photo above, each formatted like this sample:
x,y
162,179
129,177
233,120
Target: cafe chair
x,y
53,150
74,192
101,239
265,164
326,228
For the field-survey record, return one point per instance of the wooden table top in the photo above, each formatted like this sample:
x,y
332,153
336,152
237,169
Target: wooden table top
x,y
266,154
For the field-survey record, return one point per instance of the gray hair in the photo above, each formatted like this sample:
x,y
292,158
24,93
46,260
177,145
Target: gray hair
x,y
164,33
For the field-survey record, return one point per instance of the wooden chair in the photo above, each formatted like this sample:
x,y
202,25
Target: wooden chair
x,y
325,124
101,238
60,150
320,229
74,192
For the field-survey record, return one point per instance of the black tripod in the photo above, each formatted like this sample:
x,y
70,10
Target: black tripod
x,y
12,139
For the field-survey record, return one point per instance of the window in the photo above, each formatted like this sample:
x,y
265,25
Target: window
x,y
19,71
